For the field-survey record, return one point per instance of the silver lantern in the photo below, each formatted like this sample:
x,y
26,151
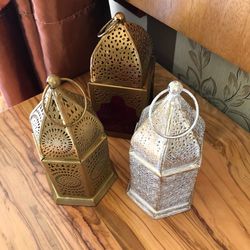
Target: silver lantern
x,y
165,154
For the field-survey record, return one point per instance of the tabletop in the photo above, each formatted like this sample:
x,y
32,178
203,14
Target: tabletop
x,y
219,218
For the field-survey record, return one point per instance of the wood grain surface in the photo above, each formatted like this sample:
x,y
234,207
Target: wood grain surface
x,y
219,218
222,26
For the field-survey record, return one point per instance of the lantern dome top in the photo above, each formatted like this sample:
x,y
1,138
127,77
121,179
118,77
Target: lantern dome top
x,y
63,123
122,56
169,133
61,106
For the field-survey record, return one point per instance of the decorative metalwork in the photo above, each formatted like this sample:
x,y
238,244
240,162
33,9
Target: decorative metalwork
x,y
72,145
121,70
165,154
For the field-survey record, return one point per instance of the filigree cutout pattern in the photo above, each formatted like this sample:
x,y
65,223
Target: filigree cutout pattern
x,y
177,189
169,153
87,131
67,178
56,142
53,111
36,120
98,165
122,58
142,43
144,182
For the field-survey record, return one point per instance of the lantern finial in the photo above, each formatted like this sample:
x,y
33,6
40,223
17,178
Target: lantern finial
x,y
175,88
53,81
119,16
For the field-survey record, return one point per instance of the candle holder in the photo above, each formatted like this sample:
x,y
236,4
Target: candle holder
x,y
165,154
72,145
122,72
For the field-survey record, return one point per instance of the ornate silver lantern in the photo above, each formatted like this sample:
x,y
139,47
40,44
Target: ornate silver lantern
x,y
72,145
165,154
121,70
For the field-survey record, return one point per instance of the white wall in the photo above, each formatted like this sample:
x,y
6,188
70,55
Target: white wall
x,y
115,7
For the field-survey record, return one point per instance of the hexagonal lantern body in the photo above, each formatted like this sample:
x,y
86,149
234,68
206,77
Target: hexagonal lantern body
x,y
122,70
72,146
165,155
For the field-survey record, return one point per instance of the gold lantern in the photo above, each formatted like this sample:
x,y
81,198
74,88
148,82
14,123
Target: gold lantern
x,y
121,70
165,154
72,145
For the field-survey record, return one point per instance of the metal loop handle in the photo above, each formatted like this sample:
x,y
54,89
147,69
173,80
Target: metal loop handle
x,y
186,131
108,27
118,17
56,122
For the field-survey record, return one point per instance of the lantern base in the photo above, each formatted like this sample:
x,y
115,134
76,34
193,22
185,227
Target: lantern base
x,y
93,201
157,214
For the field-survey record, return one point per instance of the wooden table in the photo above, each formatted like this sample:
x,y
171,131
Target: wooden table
x,y
219,218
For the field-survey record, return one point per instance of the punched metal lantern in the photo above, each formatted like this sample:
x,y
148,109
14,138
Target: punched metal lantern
x,y
121,70
165,154
72,145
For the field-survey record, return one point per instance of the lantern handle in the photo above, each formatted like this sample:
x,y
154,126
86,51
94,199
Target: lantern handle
x,y
51,87
119,17
170,91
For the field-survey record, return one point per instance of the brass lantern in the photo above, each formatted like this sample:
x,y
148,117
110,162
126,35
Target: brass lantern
x,y
165,154
72,145
121,70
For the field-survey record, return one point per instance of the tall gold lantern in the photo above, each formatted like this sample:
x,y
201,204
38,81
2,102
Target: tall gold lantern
x,y
165,154
121,70
72,145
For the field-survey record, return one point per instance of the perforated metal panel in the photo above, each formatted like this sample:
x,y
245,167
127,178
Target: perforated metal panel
x,y
94,164
56,142
122,56
171,153
67,179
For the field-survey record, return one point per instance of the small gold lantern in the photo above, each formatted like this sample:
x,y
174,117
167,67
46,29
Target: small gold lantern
x,y
72,145
165,154
121,70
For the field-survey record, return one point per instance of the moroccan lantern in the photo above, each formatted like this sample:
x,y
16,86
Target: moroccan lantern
x,y
165,154
72,145
121,70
